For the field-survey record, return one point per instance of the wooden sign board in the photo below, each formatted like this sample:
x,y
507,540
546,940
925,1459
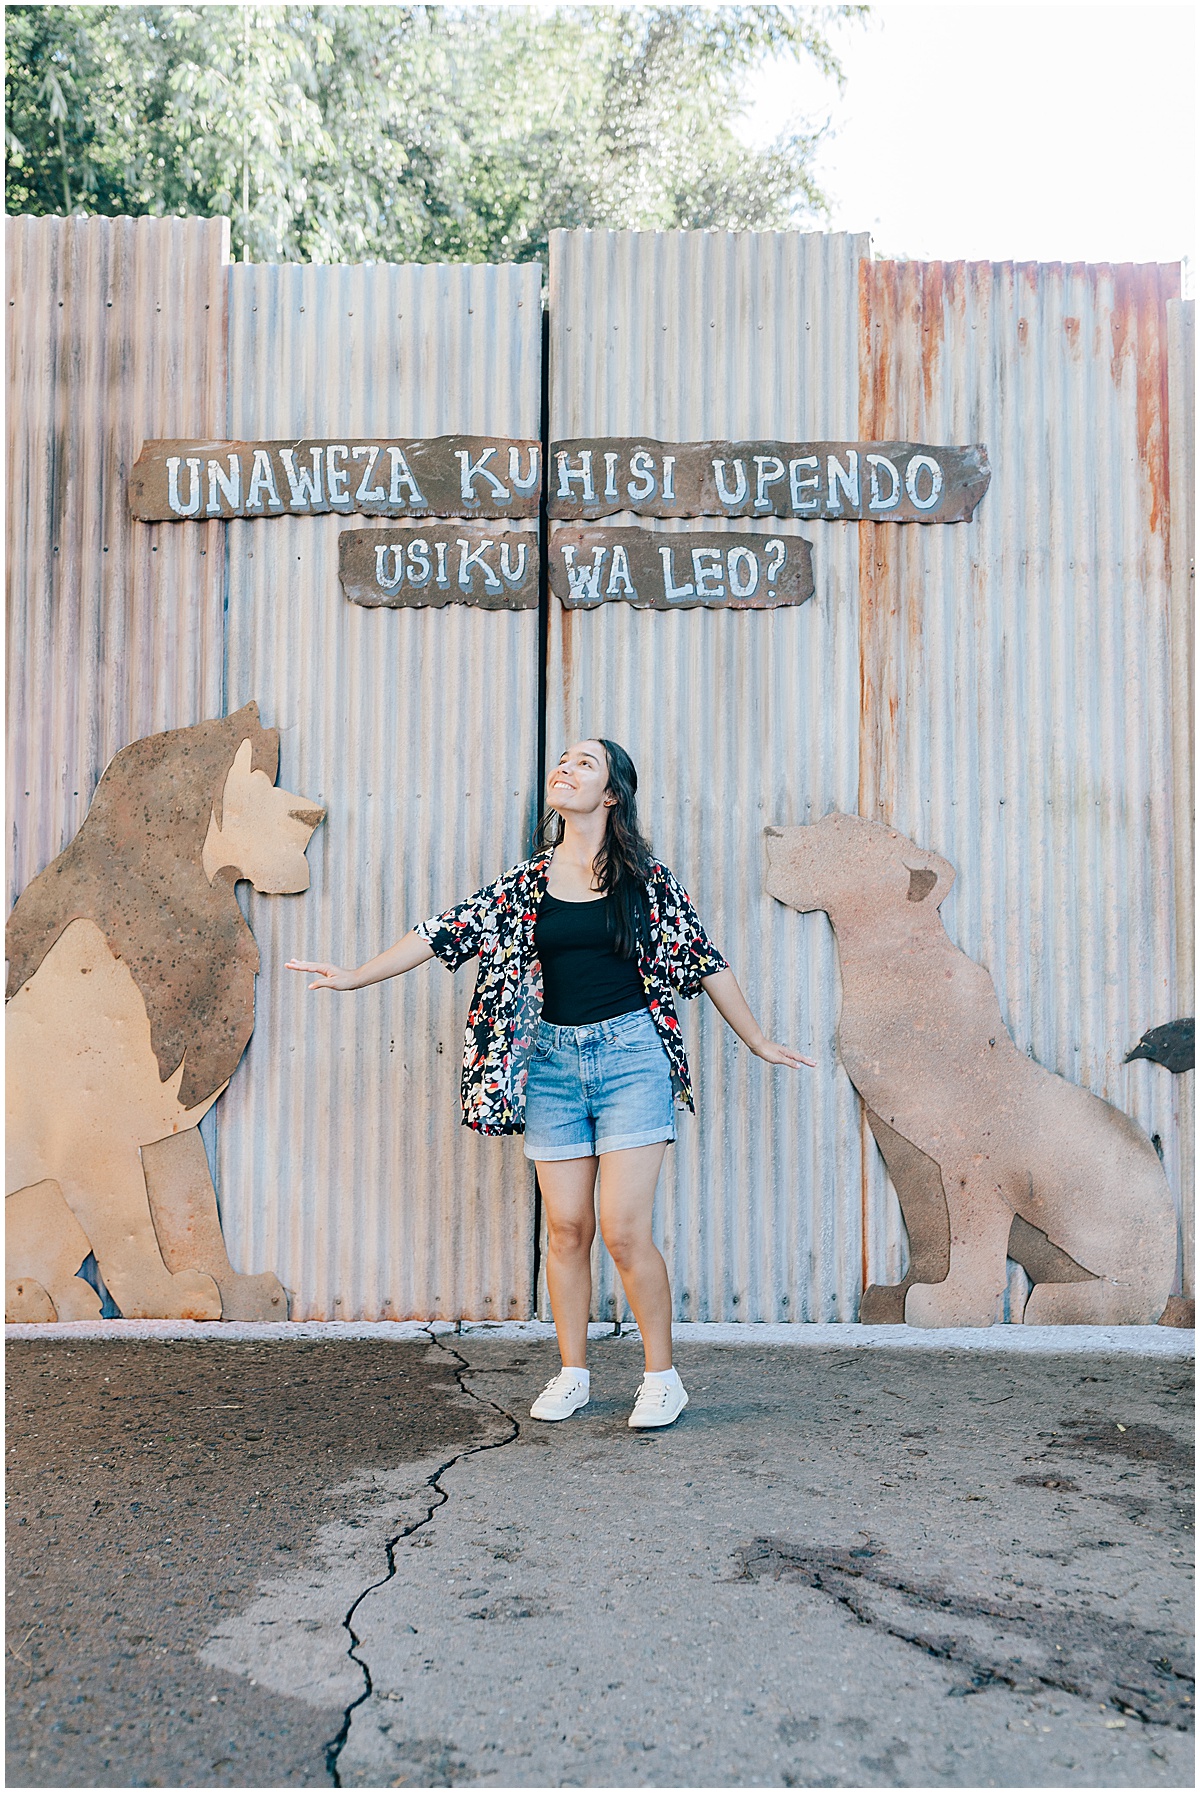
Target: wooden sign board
x,y
658,571
883,482
439,476
457,563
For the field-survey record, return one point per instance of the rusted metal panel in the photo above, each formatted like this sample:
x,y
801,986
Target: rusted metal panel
x,y
451,476
1181,421
1005,696
342,1164
455,563
894,482
735,719
655,570
1015,693
1017,704
116,332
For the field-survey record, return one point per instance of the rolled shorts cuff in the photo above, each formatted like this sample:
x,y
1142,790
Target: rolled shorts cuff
x,y
585,1149
629,1141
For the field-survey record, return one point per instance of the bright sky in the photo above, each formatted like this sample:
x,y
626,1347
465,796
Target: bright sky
x,y
1005,132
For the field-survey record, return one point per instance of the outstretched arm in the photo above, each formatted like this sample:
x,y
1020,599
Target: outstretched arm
x,y
725,994
411,951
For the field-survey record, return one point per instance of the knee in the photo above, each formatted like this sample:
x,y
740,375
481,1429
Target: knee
x,y
569,1238
626,1245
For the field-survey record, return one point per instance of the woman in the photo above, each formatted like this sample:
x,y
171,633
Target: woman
x,y
572,1037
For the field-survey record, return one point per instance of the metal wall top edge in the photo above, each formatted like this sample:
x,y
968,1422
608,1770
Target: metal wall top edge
x,y
670,306
403,338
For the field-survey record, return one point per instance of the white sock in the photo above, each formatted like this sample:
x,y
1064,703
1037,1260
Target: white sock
x,y
666,1376
584,1376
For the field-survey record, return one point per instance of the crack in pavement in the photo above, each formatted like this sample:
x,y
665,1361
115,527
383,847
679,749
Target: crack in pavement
x,y
336,1744
710,1666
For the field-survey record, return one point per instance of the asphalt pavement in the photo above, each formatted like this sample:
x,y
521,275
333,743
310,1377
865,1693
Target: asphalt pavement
x,y
316,1560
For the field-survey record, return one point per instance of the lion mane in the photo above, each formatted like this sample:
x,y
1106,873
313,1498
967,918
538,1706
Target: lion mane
x,y
135,869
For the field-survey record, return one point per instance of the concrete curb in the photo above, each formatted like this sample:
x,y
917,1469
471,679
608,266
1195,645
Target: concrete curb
x,y
1113,1341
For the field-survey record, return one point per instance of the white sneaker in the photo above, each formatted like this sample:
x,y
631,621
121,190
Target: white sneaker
x,y
658,1403
563,1395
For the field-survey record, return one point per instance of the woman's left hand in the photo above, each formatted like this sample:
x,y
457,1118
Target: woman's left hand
x,y
725,994
775,1054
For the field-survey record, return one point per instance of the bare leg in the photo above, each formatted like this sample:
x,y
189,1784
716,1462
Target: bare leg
x,y
627,1184
568,1188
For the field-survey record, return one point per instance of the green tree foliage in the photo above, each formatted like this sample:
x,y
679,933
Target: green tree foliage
x,y
424,133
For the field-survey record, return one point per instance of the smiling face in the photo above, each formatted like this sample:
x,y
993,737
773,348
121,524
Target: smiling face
x,y
578,785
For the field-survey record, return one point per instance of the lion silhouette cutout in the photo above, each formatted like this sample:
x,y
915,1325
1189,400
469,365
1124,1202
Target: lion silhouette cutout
x,y
130,1004
992,1156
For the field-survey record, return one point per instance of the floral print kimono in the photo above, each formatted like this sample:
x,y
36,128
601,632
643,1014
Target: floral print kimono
x,y
497,923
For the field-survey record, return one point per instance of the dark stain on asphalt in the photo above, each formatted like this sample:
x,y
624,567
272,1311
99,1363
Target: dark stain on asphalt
x,y
1139,1442
151,1486
1071,1649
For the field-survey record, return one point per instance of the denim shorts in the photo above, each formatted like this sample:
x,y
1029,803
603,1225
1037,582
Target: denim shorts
x,y
601,1088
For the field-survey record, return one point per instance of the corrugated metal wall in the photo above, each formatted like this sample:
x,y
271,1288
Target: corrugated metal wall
x,y
999,690
1181,431
1015,692
1017,672
114,628
341,1163
735,719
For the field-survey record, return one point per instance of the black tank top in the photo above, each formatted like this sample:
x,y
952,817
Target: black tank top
x,y
582,978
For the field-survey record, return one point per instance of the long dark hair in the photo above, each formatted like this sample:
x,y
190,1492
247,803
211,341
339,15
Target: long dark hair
x,y
624,860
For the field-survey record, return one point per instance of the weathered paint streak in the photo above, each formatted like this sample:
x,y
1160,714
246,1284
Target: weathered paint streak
x,y
1181,999
1138,329
992,665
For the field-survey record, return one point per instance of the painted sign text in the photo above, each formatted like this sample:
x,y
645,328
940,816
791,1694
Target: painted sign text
x,y
462,563
885,482
654,570
439,476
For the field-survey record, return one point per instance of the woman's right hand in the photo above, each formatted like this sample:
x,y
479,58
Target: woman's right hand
x,y
332,977
414,949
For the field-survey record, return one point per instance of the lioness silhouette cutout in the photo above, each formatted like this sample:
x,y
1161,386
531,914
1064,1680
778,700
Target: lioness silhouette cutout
x,y
130,1004
991,1155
